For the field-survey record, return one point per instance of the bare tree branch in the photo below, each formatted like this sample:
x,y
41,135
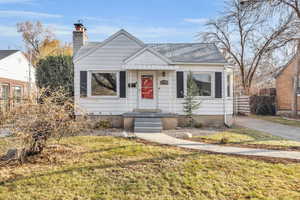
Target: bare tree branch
x,y
247,37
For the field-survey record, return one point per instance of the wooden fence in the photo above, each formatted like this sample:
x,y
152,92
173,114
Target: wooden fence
x,y
242,105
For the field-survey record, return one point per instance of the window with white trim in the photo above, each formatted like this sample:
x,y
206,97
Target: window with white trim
x,y
104,84
17,94
204,83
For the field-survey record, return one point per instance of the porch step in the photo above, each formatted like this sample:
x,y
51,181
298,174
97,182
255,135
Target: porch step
x,y
147,110
147,125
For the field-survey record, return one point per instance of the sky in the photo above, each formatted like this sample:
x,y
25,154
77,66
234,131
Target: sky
x,y
149,20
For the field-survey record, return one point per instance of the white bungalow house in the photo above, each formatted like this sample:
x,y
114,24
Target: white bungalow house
x,y
129,82
16,75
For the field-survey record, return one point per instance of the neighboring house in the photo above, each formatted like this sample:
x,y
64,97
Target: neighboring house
x,y
123,78
14,78
285,80
264,83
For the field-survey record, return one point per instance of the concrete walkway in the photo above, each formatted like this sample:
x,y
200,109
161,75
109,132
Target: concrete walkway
x,y
284,131
165,139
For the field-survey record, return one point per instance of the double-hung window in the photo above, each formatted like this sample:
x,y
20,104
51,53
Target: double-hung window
x,y
204,83
104,84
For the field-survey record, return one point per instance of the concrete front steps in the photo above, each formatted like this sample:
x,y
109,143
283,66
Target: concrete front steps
x,y
147,125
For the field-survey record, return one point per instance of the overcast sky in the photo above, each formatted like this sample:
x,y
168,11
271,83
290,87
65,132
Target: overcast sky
x,y
149,20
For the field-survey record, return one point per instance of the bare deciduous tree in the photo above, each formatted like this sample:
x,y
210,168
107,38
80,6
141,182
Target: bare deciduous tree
x,y
36,122
283,7
34,35
247,38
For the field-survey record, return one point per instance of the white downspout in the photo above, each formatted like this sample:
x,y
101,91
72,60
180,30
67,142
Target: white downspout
x,y
224,96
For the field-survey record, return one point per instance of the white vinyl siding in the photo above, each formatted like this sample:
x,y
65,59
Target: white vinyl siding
x,y
107,58
16,67
111,55
229,85
146,58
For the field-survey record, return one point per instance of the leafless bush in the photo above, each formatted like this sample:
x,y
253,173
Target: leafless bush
x,y
49,115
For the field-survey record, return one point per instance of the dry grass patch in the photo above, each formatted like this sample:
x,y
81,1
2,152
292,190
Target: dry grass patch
x,y
113,168
244,137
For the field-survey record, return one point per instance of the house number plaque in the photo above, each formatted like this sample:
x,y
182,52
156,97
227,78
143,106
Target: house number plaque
x,y
164,82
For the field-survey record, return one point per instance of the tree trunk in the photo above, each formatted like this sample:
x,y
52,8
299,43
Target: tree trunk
x,y
247,90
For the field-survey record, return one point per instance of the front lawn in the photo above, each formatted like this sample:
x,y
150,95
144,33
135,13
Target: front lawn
x,y
8,142
278,119
249,138
95,168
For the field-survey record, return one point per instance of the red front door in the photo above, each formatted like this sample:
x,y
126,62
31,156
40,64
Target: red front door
x,y
147,90
147,87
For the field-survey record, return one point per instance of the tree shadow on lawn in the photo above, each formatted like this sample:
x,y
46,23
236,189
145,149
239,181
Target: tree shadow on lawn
x,y
93,167
104,150
190,153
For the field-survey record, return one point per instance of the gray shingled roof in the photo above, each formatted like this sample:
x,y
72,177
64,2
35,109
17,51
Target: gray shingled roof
x,y
177,52
5,53
190,52
86,48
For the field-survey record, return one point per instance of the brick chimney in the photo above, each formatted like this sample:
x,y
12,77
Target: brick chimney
x,y
79,36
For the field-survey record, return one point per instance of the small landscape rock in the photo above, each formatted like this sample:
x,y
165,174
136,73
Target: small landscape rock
x,y
11,154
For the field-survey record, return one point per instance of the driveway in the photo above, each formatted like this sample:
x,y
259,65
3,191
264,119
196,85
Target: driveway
x,y
284,131
165,139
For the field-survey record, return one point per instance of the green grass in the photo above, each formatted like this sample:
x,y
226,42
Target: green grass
x,y
248,136
278,119
93,168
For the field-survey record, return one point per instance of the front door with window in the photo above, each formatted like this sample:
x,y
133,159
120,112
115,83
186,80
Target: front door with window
x,y
147,90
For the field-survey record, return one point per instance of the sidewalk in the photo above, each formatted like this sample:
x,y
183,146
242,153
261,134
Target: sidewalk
x,y
165,139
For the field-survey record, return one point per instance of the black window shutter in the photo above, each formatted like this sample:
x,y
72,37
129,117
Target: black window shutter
x,y
83,83
180,84
218,84
122,84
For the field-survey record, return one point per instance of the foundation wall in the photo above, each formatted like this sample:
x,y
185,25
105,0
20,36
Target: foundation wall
x,y
169,123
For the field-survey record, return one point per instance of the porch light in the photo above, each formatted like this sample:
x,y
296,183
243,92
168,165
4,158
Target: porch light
x,y
164,74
